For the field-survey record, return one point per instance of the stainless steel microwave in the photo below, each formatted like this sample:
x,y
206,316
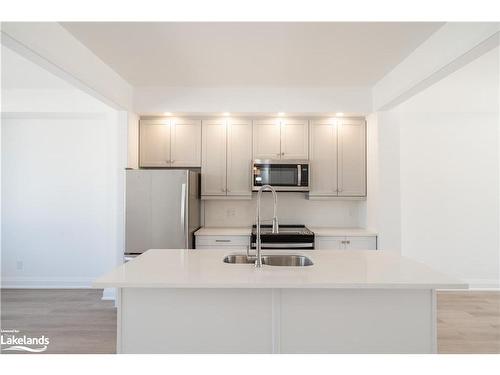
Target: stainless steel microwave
x,y
283,175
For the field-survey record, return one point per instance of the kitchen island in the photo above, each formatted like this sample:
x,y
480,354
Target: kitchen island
x,y
189,301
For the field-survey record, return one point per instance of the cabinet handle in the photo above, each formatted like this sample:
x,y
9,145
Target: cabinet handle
x,y
222,240
348,242
282,154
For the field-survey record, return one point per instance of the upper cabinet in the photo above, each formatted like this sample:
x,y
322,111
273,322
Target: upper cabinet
x,y
352,158
154,136
294,139
338,158
225,147
186,143
239,157
267,139
280,139
226,158
170,143
323,157
213,158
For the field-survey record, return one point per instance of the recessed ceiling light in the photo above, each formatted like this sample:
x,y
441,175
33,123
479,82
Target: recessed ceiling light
x,y
225,114
340,114
167,113
281,114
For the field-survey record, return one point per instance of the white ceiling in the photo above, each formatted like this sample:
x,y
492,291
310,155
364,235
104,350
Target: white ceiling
x,y
252,54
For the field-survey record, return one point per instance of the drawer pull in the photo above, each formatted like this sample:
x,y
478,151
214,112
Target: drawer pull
x,y
222,240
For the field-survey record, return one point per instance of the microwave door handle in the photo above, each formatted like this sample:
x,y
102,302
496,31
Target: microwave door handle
x,y
299,175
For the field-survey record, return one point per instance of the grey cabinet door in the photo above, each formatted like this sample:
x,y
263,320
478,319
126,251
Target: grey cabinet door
x,y
154,141
352,158
323,157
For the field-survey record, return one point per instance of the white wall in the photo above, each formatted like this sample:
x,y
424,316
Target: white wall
x,y
293,208
133,140
155,100
381,210
62,180
449,173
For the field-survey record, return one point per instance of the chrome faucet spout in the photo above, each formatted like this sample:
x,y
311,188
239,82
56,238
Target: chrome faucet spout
x,y
275,229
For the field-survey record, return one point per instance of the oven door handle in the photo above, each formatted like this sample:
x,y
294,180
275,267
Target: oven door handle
x,y
283,245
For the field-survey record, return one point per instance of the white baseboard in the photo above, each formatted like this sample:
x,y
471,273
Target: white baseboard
x,y
109,294
46,282
486,284
479,284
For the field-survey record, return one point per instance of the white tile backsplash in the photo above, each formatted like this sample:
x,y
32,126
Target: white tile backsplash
x,y
293,208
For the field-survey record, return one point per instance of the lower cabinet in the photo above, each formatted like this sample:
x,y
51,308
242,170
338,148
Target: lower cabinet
x,y
222,242
346,243
322,243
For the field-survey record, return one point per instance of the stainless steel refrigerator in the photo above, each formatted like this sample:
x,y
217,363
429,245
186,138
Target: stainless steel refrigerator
x,y
162,209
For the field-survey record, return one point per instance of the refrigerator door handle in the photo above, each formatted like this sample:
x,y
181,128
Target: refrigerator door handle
x,y
183,207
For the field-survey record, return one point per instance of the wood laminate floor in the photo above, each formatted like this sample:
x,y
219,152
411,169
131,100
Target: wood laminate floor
x,y
75,320
78,321
468,322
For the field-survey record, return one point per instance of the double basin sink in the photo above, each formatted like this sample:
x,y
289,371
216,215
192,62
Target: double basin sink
x,y
284,260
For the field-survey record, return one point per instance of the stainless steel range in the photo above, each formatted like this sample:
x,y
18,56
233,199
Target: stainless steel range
x,y
288,237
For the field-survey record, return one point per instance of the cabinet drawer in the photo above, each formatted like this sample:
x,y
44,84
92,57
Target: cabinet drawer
x,y
222,241
346,243
329,243
361,243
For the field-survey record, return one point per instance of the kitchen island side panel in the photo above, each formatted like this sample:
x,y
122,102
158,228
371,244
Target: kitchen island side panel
x,y
158,320
357,321
163,320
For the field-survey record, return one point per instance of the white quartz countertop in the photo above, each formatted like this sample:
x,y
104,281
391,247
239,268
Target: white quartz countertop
x,y
318,231
335,231
223,231
181,268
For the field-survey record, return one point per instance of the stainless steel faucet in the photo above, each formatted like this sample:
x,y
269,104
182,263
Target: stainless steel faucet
x,y
258,261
